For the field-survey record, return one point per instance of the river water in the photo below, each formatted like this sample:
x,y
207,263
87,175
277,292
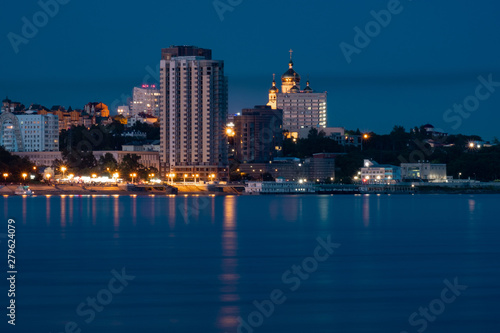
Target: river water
x,y
364,263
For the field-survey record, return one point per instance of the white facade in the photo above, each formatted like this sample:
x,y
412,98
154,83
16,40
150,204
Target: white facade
x,y
147,158
131,121
193,112
29,132
373,173
146,99
123,110
302,110
279,187
41,158
423,170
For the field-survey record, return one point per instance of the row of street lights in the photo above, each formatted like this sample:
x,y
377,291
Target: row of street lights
x,y
6,175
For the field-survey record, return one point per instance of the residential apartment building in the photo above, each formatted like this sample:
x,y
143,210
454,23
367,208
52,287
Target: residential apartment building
x,y
29,132
146,99
193,112
258,134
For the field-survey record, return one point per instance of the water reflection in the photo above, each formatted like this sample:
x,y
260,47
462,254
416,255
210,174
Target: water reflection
x,y
71,200
94,213
366,210
228,313
171,212
47,209
152,209
289,212
212,212
323,208
472,206
24,209
134,209
116,215
63,211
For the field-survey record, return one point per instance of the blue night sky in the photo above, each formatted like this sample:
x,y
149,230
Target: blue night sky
x,y
428,57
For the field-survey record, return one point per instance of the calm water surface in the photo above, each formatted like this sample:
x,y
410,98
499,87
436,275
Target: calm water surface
x,y
200,263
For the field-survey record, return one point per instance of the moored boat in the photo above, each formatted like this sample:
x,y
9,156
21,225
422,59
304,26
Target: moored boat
x,y
23,190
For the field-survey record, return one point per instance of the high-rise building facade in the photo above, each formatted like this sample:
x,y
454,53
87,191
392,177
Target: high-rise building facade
x,y
301,108
29,132
258,134
146,99
193,112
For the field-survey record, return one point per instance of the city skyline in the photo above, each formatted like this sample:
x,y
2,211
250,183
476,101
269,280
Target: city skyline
x,y
412,72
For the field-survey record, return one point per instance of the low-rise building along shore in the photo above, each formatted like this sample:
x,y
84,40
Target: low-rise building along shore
x,y
147,158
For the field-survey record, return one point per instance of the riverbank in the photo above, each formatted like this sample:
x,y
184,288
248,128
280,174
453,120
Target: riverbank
x,y
79,189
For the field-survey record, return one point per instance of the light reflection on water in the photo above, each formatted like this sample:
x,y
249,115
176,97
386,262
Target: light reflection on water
x,y
229,276
228,251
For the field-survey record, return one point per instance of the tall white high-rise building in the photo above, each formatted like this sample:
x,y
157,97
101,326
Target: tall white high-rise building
x,y
193,104
302,109
29,132
146,99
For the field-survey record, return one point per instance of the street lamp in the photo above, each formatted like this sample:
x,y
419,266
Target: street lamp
x,y
459,174
133,175
171,176
365,137
24,176
63,169
5,175
48,177
185,176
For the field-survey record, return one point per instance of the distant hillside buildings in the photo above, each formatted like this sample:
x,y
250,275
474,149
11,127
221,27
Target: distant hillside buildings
x,y
36,129
29,132
146,99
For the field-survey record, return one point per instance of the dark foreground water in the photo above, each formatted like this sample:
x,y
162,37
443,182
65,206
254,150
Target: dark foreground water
x,y
281,263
